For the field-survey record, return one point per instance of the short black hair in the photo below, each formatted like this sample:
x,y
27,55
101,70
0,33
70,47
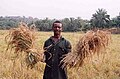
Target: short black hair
x,y
57,21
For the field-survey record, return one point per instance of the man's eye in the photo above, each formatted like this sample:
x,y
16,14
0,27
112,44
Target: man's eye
x,y
57,27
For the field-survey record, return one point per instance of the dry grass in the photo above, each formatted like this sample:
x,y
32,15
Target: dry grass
x,y
104,67
89,44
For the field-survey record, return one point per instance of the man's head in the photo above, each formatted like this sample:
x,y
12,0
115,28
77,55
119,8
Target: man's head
x,y
57,28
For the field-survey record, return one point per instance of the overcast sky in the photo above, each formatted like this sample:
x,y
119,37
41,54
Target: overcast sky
x,y
58,9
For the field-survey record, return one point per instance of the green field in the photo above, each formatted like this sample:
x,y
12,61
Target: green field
x,y
107,66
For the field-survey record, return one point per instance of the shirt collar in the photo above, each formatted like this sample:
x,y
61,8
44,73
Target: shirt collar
x,y
61,38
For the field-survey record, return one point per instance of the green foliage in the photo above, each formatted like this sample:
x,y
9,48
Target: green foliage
x,y
72,24
100,19
116,21
69,24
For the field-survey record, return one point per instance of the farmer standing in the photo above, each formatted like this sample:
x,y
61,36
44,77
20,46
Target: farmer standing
x,y
55,47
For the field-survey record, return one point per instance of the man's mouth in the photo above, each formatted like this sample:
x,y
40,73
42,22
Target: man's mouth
x,y
57,31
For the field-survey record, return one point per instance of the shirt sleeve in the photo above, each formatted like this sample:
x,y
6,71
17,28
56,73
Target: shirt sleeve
x,y
68,47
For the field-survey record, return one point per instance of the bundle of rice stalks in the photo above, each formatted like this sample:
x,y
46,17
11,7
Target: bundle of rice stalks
x,y
22,39
91,43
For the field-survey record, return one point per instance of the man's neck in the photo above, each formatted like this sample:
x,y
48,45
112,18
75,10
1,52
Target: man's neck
x,y
56,38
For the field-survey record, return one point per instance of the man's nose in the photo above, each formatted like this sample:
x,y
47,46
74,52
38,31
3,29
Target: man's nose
x,y
57,28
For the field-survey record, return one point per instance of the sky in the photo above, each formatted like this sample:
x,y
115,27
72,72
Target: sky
x,y
58,9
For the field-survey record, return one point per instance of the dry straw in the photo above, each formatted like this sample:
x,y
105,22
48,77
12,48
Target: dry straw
x,y
22,39
93,42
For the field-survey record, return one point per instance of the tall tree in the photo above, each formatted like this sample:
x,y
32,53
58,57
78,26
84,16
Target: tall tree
x,y
100,19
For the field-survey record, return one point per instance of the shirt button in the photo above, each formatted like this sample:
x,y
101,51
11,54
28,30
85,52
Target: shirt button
x,y
54,49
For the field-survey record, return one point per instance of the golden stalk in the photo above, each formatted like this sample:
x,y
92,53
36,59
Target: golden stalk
x,y
89,44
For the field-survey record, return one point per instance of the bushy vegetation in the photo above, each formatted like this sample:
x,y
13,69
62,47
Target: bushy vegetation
x,y
100,19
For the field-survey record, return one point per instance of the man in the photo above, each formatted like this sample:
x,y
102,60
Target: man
x,y
55,47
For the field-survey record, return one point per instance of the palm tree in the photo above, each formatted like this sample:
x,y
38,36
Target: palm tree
x,y
100,19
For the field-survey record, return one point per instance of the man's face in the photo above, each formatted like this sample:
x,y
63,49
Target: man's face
x,y
57,28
